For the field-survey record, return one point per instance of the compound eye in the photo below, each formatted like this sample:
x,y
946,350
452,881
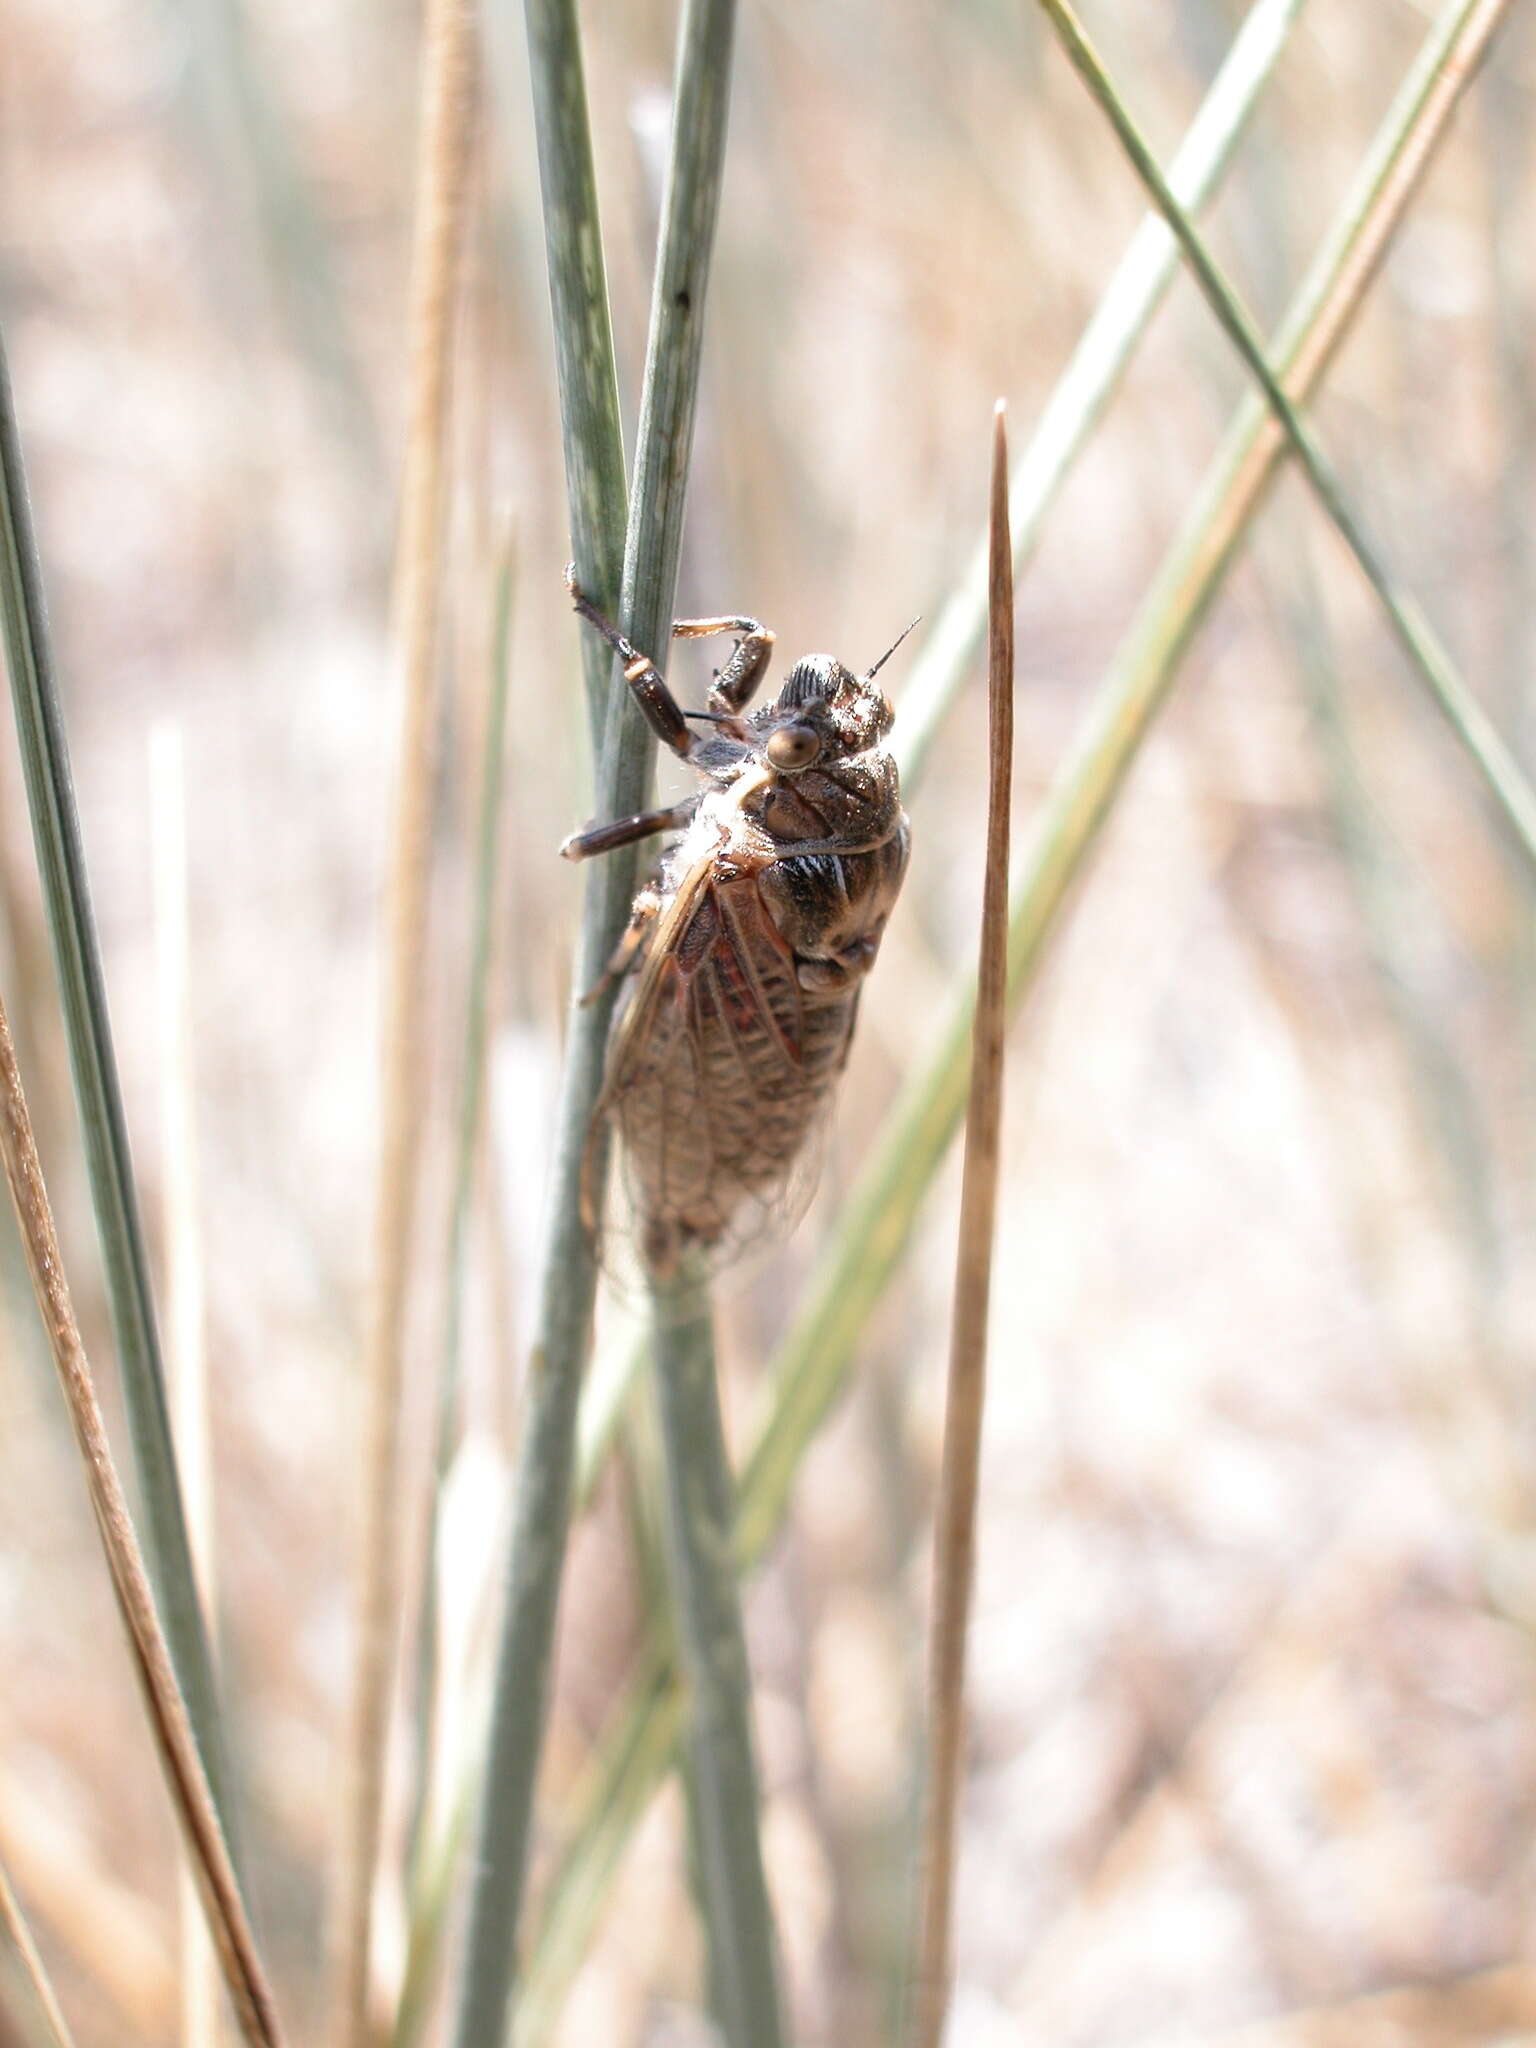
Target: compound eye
x,y
793,747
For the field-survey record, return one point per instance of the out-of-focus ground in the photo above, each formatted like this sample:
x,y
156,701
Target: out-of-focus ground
x,y
1254,1696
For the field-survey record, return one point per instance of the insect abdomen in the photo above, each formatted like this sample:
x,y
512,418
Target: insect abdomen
x,y
717,1099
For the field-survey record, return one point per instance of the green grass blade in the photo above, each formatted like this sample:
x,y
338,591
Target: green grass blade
x,y
700,1487
598,495
653,535
1492,758
813,1361
723,1790
109,1166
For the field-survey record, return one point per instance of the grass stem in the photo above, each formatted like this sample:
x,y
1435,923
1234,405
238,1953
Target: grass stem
x,y
653,537
954,1547
109,1166
185,1290
442,178
191,1794
712,1649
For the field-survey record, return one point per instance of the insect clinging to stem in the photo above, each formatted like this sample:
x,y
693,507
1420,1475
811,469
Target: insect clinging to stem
x,y
750,943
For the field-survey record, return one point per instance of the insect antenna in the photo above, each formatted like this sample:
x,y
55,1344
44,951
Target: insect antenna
x,y
869,674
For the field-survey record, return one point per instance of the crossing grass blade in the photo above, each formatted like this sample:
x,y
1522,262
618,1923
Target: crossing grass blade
x,y
1088,384
1501,772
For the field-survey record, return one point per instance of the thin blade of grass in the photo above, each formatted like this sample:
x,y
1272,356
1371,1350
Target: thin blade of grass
x,y
1502,773
442,179
597,496
652,540
13,1922
93,1066
722,1783
169,1722
186,1350
1085,388
812,1362
743,1970
954,1545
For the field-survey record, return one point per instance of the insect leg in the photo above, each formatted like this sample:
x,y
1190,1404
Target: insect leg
x,y
626,953
736,683
657,702
625,831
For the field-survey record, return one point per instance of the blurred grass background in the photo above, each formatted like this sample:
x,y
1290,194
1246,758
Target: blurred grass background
x,y
1253,1695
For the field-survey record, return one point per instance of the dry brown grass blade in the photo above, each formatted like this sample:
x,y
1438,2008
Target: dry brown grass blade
x,y
186,1353
442,180
13,1922
206,1846
955,1531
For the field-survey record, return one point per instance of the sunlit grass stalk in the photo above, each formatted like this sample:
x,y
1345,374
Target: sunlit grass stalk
x,y
442,178
170,1726
954,1544
1092,377
811,1364
186,1348
13,1925
712,1654
1493,760
93,1065
652,538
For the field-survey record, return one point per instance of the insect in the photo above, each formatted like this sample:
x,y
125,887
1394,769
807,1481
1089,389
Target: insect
x,y
750,943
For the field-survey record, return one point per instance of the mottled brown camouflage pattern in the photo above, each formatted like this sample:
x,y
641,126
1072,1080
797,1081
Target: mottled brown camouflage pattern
x,y
750,943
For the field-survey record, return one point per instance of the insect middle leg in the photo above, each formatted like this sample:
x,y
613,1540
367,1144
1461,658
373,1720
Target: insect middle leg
x,y
625,831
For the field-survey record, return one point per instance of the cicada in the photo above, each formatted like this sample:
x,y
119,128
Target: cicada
x,y
747,949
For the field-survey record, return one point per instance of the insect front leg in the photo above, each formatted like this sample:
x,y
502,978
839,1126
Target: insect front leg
x,y
625,831
735,684
656,701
